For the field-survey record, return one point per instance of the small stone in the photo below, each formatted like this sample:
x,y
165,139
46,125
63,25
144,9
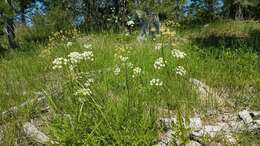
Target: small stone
x,y
195,123
32,132
166,139
254,126
198,133
236,126
255,114
193,143
168,122
224,126
257,122
227,117
212,130
245,116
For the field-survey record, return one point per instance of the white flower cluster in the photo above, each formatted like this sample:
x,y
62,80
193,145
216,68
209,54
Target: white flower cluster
x,y
158,46
159,63
178,54
83,92
117,71
156,82
180,70
59,62
123,58
130,23
89,82
137,72
88,55
76,57
129,65
69,44
73,58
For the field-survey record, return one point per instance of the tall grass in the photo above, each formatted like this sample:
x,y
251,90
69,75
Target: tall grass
x,y
122,110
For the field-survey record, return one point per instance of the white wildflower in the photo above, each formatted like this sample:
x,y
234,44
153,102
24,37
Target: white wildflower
x,y
71,67
69,44
123,58
129,65
180,70
75,57
89,46
88,55
117,71
89,82
158,46
178,54
130,23
83,92
59,62
156,82
159,63
136,72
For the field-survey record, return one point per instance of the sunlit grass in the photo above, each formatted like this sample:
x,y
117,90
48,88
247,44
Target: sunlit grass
x,y
123,110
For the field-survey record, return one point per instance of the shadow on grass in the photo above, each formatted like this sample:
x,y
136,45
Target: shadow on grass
x,y
249,40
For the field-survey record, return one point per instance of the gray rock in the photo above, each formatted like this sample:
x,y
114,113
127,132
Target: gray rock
x,y
254,126
212,130
195,123
257,122
204,91
224,126
168,122
32,132
245,116
236,126
225,117
198,133
255,114
193,143
166,139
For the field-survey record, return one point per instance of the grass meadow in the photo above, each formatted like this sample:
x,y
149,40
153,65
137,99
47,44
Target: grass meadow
x,y
109,89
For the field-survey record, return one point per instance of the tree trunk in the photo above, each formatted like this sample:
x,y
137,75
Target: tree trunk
x,y
239,13
122,13
23,19
11,33
177,10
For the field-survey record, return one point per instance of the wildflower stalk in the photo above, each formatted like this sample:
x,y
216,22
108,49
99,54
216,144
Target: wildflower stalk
x,y
127,87
80,111
164,59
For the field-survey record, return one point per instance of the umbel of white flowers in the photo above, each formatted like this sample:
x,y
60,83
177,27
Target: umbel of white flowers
x,y
156,82
159,63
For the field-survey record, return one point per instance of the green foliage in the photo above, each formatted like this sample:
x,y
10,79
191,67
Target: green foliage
x,y
123,109
181,130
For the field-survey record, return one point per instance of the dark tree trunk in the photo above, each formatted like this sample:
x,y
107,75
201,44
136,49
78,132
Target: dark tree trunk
x,y
210,9
11,33
91,12
122,13
23,19
177,10
239,12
